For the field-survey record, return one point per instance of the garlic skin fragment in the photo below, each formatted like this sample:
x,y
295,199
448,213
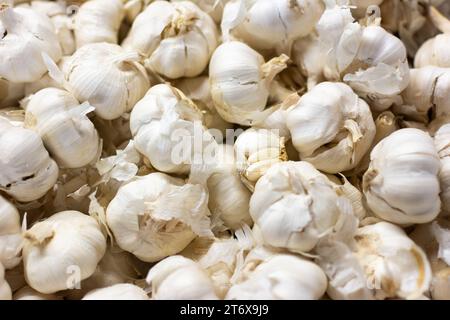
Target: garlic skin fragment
x,y
442,143
401,184
65,129
28,293
240,82
10,235
175,38
156,216
294,206
5,290
268,24
121,291
179,278
52,240
26,170
107,76
26,36
331,127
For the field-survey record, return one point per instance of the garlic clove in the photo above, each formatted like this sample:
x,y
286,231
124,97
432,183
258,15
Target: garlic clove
x,y
121,291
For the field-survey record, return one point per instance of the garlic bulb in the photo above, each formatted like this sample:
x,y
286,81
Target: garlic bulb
x,y
442,143
331,127
62,250
228,197
166,127
401,184
434,51
368,58
166,32
108,77
27,293
256,150
268,24
212,7
26,36
240,82
10,235
26,170
179,278
10,93
272,276
98,21
157,215
122,291
382,263
294,206
5,290
65,129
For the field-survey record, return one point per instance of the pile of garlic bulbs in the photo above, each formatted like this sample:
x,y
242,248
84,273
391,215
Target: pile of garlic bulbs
x,y
224,149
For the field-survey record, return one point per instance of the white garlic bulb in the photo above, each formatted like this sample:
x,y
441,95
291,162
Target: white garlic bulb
x,y
121,291
108,77
157,215
28,293
212,7
63,124
164,125
240,82
401,184
228,197
25,36
179,278
10,93
5,290
331,127
26,170
98,21
442,143
10,235
274,276
268,24
256,150
62,250
176,38
294,206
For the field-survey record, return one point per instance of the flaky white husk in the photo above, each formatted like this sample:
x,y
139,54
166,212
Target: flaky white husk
x,y
29,35
64,127
442,143
268,275
5,290
156,216
381,263
294,206
166,127
28,293
104,74
428,92
269,24
331,127
360,6
368,58
176,39
98,21
179,278
240,82
10,93
121,291
10,235
26,170
401,184
228,197
62,250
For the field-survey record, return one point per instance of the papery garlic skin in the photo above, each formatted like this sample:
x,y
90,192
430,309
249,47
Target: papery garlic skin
x,y
65,129
108,77
10,234
442,143
156,216
240,81
362,5
27,36
331,127
5,290
176,39
294,206
268,24
26,170
98,21
122,291
62,250
28,293
434,52
179,278
401,184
